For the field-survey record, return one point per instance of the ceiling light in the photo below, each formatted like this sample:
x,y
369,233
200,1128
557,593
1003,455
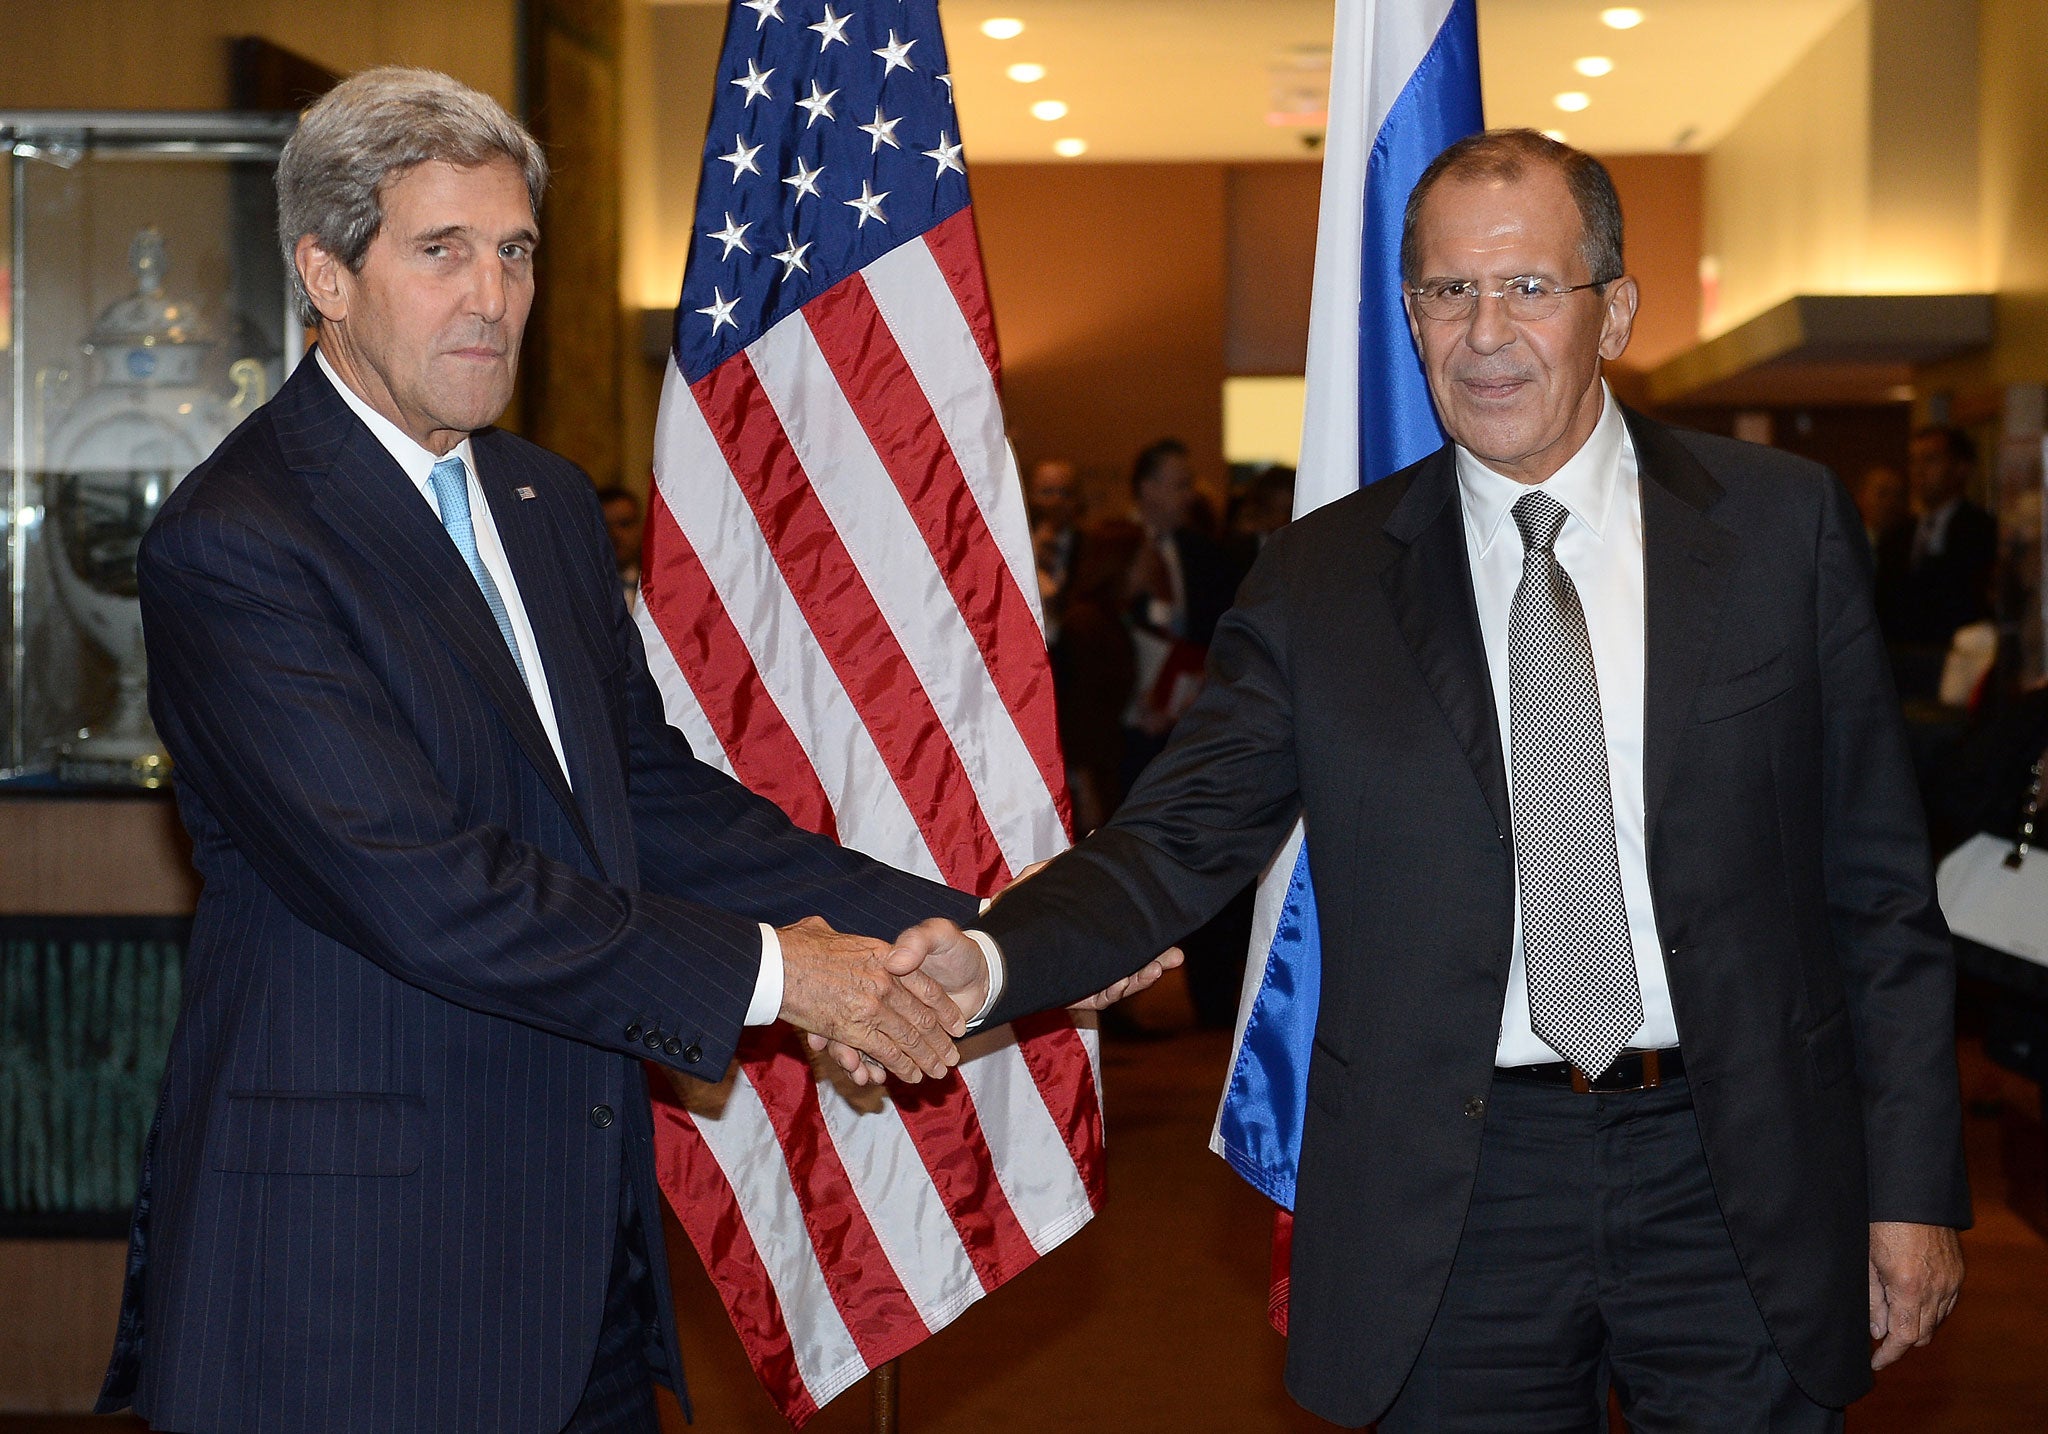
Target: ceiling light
x,y
1070,148
1593,66
1026,73
1008,29
1571,101
1618,17
1049,110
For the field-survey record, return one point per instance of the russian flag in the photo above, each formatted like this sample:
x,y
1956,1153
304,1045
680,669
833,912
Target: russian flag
x,y
1404,84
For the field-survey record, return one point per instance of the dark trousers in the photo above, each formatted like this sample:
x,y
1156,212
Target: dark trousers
x,y
1594,1256
618,1398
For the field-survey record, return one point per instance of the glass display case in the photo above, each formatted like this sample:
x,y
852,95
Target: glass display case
x,y
144,311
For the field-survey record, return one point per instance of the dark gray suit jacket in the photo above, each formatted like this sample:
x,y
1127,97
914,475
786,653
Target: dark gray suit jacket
x,y
1810,969
384,1180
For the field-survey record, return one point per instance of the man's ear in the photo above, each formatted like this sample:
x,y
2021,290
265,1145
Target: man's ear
x,y
1618,319
326,278
1408,308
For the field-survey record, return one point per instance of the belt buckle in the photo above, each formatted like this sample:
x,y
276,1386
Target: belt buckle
x,y
1652,1077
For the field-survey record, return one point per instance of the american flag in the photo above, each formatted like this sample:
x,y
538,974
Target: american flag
x,y
841,608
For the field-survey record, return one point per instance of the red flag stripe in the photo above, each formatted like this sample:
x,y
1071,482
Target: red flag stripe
x,y
877,1310
849,627
764,751
1057,1058
898,419
958,251
946,1129
704,1205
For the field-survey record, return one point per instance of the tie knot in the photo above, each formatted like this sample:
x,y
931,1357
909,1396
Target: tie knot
x,y
449,476
1539,516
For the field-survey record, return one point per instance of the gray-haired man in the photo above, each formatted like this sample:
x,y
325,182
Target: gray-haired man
x,y
460,876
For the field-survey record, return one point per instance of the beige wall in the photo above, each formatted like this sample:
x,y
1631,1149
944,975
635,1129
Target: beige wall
x,y
172,54
1858,171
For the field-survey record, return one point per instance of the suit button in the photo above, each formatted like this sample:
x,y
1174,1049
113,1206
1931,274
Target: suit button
x,y
601,1116
654,1040
633,1034
1475,1108
693,1053
673,1046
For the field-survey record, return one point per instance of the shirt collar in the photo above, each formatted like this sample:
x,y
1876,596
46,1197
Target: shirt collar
x,y
418,462
1584,485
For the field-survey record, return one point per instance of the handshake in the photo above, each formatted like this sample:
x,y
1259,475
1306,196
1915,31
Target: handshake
x,y
880,1009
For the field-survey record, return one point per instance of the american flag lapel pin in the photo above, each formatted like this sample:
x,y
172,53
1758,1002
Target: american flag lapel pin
x,y
526,494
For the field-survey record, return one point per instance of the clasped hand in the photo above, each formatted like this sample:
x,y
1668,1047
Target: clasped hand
x,y
870,997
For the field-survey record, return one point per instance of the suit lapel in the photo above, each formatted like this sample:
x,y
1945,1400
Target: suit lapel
x,y
536,555
1687,558
1429,586
365,497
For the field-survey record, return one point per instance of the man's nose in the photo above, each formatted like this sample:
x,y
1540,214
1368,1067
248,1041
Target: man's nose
x,y
1489,328
487,297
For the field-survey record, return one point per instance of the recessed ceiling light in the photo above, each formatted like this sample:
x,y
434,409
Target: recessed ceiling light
x,y
1617,17
1049,110
1026,73
1070,148
1556,134
1571,101
1005,29
1593,66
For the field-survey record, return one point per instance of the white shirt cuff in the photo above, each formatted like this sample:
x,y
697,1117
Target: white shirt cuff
x,y
993,954
767,1002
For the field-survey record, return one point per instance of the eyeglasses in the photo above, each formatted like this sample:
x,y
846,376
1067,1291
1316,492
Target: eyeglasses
x,y
1526,297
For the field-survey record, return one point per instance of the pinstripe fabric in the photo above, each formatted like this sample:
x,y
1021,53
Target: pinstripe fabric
x,y
375,1196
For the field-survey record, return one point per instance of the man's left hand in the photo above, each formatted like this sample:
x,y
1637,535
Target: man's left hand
x,y
1916,1272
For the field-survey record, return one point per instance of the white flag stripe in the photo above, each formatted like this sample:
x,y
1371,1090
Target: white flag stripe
x,y
742,1141
902,1205
883,540
679,702
939,346
707,504
1032,1161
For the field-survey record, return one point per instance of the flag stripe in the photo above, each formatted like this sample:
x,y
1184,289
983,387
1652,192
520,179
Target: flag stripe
x,y
841,612
1060,1064
949,1139
760,748
706,503
710,1215
1032,1161
911,593
904,431
860,1276
957,249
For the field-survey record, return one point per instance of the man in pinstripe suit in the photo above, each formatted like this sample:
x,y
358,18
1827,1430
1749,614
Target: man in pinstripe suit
x,y
460,876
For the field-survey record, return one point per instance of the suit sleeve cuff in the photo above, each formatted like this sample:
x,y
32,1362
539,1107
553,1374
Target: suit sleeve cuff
x,y
993,954
767,1002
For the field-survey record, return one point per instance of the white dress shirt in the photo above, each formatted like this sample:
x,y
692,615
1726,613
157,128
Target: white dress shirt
x,y
418,464
1601,547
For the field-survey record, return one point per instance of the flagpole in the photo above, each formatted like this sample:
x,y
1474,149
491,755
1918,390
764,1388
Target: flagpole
x,y
884,1387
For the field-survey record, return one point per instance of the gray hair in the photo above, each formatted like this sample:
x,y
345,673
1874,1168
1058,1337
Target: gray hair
x,y
1507,154
369,130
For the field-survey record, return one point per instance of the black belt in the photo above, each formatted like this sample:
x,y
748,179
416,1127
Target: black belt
x,y
1632,1070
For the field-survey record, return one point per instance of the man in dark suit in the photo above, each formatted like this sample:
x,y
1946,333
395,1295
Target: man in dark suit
x,y
1948,582
1634,1065
461,879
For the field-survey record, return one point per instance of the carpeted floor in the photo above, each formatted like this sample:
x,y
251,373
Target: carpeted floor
x,y
1153,1319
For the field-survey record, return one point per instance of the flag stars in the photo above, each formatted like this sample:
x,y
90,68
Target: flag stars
x,y
742,158
946,156
792,259
733,236
832,29
764,10
804,181
896,56
869,205
755,83
720,311
818,103
882,131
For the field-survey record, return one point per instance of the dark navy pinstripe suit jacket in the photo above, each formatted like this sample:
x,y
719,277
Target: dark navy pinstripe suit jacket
x,y
378,1194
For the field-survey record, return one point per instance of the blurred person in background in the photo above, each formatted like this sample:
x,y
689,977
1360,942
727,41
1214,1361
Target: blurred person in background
x,y
624,522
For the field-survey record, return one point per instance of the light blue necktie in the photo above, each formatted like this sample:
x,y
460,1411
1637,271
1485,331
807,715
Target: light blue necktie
x,y
451,491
